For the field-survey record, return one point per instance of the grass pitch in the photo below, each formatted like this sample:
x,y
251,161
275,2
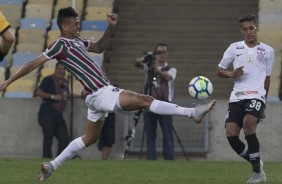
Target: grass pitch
x,y
25,171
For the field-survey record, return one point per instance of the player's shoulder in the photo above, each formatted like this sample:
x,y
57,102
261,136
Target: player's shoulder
x,y
264,47
238,45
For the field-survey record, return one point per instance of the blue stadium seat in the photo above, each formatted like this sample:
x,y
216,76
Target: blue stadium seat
x,y
33,23
18,94
12,2
54,25
3,63
94,25
20,58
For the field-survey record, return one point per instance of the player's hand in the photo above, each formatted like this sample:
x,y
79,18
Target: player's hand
x,y
58,97
112,19
238,72
3,85
84,94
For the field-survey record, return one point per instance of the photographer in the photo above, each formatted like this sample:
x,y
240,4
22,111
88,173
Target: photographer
x,y
54,92
159,83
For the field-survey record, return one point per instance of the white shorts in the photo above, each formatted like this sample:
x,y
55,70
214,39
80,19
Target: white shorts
x,y
101,102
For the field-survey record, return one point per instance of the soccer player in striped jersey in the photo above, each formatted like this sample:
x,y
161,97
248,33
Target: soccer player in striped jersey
x,y
72,51
252,62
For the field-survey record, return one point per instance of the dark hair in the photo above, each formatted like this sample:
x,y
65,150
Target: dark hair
x,y
248,17
59,63
162,45
65,13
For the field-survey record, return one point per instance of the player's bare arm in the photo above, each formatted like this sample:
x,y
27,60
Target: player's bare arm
x,y
101,45
24,70
224,73
266,85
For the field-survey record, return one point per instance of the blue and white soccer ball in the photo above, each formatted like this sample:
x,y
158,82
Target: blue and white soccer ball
x,y
200,88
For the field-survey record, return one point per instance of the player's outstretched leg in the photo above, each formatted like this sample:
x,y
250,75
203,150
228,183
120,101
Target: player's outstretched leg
x,y
202,110
46,171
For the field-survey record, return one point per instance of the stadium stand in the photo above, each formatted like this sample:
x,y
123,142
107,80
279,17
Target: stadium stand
x,y
54,25
52,36
21,88
29,47
92,35
97,12
50,64
94,25
31,36
20,58
105,3
31,76
33,23
41,2
12,13
12,2
79,5
43,11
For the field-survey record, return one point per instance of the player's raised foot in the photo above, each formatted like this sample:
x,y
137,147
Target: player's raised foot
x,y
46,171
257,178
202,110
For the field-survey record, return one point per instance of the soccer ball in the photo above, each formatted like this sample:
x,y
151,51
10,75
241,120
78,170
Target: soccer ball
x,y
200,88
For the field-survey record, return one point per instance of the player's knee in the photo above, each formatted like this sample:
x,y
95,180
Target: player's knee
x,y
147,100
249,128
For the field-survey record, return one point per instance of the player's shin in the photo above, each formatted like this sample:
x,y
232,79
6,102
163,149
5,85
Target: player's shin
x,y
254,154
165,108
71,151
239,147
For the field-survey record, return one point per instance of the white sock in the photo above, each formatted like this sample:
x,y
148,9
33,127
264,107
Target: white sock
x,y
71,150
165,108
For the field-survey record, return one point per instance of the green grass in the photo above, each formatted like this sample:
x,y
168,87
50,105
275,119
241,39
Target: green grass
x,y
25,171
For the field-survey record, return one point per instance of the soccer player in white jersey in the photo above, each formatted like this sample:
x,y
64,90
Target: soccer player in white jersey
x,y
252,63
72,51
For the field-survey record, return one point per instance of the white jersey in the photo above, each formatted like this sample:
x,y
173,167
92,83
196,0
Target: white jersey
x,y
257,62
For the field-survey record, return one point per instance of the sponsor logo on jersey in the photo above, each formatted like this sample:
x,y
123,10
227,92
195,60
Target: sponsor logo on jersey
x,y
241,47
244,93
262,49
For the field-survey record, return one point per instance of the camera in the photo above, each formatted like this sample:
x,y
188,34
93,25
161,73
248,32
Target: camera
x,y
149,58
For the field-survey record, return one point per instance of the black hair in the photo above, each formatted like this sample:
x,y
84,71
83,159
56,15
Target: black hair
x,y
162,45
65,13
248,17
59,63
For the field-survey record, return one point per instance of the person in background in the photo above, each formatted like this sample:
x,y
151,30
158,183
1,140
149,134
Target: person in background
x,y
8,38
252,65
159,83
54,92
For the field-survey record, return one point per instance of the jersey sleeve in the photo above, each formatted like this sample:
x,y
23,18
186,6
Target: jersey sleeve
x,y
55,50
85,42
228,57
